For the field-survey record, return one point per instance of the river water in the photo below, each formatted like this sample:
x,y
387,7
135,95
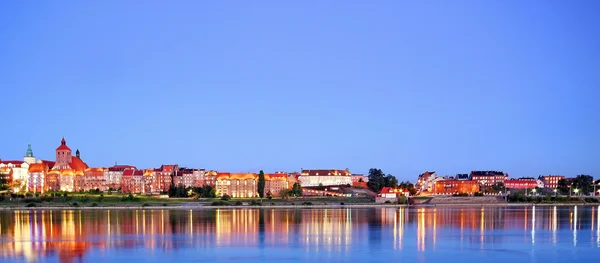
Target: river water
x,y
475,234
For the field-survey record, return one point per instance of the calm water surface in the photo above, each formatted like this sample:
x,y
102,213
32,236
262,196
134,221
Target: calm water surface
x,y
493,234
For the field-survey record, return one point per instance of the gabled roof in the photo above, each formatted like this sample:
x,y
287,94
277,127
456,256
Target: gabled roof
x,y
38,167
49,163
77,164
128,172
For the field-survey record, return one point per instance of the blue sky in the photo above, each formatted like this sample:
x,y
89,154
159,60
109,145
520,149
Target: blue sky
x,y
404,86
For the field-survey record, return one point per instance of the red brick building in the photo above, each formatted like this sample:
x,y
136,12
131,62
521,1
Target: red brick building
x,y
551,181
521,183
456,187
489,178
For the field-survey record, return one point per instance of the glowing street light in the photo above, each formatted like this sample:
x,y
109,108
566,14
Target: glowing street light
x,y
576,191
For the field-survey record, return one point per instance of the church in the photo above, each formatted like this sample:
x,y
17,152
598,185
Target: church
x,y
58,175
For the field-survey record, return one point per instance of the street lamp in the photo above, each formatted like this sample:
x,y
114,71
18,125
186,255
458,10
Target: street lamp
x,y
576,191
555,192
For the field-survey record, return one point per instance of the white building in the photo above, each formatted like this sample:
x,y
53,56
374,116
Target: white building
x,y
426,182
18,171
309,178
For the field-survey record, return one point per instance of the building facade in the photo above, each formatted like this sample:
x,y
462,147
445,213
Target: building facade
x,y
16,172
551,181
275,183
426,182
521,183
456,187
113,175
489,178
330,177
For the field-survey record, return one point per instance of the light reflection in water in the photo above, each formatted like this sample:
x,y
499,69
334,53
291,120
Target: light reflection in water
x,y
575,226
554,224
70,234
533,225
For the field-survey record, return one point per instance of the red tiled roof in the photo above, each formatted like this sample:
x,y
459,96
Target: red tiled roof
x,y
37,167
63,147
138,173
128,172
244,176
50,163
77,164
326,172
276,176
223,176
386,190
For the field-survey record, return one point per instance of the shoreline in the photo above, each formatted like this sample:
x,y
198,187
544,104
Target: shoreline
x,y
317,206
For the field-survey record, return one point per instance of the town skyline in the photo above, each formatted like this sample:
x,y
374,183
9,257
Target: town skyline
x,y
298,169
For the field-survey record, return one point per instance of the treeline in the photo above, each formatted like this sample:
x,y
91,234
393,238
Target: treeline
x,y
379,180
206,191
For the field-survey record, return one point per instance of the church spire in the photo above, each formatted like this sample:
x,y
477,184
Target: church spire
x,y
77,153
29,152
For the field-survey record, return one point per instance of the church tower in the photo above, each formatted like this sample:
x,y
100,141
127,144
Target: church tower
x,y
29,158
77,154
63,154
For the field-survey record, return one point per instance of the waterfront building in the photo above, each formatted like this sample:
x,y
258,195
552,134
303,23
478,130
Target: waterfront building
x,y
133,181
488,178
164,176
16,172
92,179
521,183
456,187
198,177
388,192
113,175
245,184
359,178
209,178
328,177
37,178
426,181
65,168
551,181
276,182
237,185
292,179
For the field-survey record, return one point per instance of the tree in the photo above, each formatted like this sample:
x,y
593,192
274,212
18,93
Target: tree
x,y
378,180
408,186
563,186
261,184
584,183
3,183
391,181
296,189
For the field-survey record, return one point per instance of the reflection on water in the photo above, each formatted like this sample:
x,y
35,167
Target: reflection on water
x,y
300,234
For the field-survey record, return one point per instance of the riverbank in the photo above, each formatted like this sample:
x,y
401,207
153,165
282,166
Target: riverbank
x,y
196,206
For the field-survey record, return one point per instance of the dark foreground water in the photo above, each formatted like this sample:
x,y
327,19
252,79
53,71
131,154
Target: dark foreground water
x,y
492,234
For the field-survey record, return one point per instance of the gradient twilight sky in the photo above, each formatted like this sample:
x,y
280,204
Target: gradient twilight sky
x,y
405,86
